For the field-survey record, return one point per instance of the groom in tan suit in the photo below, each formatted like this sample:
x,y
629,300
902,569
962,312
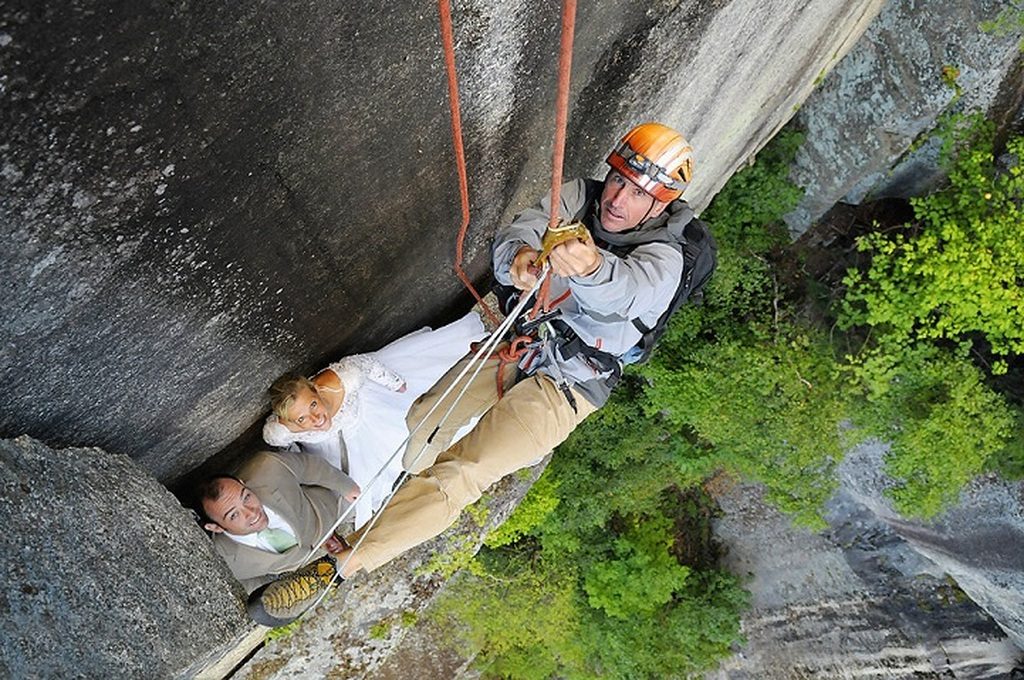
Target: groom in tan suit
x,y
270,518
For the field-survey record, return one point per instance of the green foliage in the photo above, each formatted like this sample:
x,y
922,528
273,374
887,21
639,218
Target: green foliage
x,y
520,622
1009,21
674,642
380,630
540,501
282,632
960,272
1009,461
530,615
480,511
951,77
615,586
617,463
943,422
746,214
458,555
944,287
770,409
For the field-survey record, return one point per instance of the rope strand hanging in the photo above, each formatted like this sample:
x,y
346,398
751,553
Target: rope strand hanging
x,y
448,42
515,351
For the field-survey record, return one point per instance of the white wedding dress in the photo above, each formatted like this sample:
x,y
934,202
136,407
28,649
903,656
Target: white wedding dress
x,y
367,433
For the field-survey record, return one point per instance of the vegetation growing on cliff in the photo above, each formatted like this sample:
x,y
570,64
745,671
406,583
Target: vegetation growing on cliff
x,y
601,574
940,308
595,574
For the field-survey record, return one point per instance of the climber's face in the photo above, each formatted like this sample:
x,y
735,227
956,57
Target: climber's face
x,y
624,205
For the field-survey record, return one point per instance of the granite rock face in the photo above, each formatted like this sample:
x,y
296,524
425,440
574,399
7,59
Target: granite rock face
x,y
875,595
195,199
104,574
979,542
889,92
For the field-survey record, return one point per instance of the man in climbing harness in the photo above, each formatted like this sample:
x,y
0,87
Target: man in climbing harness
x,y
610,286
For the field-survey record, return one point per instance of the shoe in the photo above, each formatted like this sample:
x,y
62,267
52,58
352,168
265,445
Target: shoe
x,y
280,602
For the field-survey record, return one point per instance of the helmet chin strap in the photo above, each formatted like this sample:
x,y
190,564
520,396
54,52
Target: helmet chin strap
x,y
646,213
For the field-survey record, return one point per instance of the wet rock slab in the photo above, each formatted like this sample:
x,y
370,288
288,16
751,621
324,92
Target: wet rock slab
x,y
875,595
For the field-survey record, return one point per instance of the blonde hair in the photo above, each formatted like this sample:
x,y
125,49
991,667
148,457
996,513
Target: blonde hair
x,y
284,390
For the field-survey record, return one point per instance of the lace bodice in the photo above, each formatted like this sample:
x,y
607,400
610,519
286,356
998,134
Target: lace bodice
x,y
352,372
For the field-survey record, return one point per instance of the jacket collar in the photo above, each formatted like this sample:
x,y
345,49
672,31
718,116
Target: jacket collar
x,y
665,228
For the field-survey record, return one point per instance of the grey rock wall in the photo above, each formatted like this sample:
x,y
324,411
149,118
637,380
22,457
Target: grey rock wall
x,y
888,92
197,197
979,541
876,595
104,575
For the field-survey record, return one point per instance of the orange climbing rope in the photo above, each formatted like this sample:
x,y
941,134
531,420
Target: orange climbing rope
x,y
515,351
444,7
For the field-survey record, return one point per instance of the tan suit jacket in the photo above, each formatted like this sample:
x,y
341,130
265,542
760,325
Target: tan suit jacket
x,y
307,492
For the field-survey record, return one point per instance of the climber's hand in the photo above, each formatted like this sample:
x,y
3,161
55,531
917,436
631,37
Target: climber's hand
x,y
522,272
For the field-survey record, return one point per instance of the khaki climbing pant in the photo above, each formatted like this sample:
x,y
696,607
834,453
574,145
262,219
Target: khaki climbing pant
x,y
514,432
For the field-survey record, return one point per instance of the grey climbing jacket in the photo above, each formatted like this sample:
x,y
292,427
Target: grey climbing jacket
x,y
602,306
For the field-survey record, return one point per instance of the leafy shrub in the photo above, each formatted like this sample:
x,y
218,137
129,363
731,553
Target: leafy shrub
x,y
947,285
769,409
520,622
943,421
746,215
680,641
959,271
613,586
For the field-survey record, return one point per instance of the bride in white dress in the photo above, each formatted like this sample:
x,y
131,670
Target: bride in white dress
x,y
352,413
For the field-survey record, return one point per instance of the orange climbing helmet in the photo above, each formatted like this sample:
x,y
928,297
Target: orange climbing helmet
x,y
656,158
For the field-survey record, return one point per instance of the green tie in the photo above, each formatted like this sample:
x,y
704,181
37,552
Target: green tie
x,y
279,539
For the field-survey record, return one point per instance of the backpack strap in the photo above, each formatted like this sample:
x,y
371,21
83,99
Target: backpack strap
x,y
570,344
592,189
700,258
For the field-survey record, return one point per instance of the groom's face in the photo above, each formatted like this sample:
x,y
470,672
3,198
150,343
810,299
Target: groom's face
x,y
236,509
